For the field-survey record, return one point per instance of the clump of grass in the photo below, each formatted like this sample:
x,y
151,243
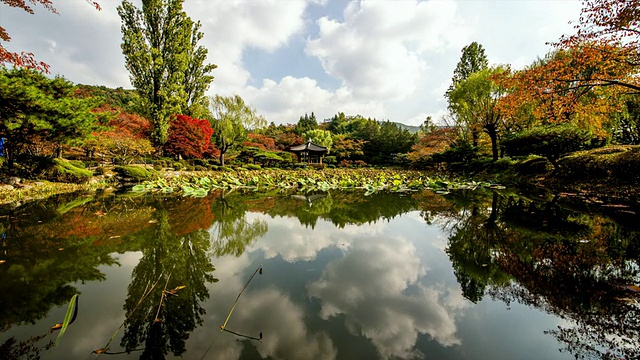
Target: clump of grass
x,y
64,171
136,173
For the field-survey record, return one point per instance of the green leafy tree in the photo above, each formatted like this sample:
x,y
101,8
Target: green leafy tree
x,y
338,124
306,123
384,141
473,59
319,137
231,117
34,106
346,148
197,77
165,63
474,101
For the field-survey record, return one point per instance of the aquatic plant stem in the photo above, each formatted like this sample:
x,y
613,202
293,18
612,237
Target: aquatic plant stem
x,y
238,297
164,291
147,292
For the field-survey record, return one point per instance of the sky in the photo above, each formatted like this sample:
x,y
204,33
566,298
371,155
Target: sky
x,y
384,59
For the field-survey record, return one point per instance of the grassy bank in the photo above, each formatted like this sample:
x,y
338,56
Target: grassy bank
x,y
611,172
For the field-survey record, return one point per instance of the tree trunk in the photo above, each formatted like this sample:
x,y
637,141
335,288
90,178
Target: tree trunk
x,y
221,158
10,155
59,152
491,130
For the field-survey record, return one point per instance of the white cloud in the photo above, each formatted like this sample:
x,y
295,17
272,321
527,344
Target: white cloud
x,y
377,50
285,101
230,27
265,309
384,310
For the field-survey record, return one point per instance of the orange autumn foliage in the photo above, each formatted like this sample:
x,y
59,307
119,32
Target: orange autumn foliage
x,y
583,80
570,85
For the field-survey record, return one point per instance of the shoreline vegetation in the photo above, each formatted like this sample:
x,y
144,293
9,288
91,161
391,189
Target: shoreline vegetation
x,y
607,176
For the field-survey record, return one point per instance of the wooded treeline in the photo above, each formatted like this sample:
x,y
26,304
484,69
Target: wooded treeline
x,y
581,95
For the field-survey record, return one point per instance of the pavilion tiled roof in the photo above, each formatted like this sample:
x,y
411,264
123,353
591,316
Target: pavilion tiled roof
x,y
309,146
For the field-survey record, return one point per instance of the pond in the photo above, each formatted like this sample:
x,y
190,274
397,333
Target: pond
x,y
240,275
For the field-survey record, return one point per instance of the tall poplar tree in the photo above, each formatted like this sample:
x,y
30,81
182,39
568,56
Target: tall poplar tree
x,y
165,63
473,59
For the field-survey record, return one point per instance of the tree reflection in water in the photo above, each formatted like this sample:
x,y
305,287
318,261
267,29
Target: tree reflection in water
x,y
568,264
540,254
172,260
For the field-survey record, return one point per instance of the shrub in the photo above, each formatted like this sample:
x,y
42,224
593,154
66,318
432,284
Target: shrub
x,y
252,167
177,166
551,142
330,160
460,152
136,173
534,165
200,168
64,171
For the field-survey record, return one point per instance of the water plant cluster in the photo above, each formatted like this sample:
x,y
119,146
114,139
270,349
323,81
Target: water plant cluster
x,y
199,184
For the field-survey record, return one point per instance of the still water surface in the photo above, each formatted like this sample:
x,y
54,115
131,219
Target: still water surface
x,y
418,275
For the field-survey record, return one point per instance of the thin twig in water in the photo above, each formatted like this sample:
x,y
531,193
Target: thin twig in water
x,y
238,297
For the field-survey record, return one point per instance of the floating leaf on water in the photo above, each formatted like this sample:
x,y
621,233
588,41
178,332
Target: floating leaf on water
x,y
57,326
72,310
99,351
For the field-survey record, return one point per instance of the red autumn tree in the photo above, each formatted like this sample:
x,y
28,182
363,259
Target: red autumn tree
x,y
260,141
287,139
134,124
27,59
188,137
432,142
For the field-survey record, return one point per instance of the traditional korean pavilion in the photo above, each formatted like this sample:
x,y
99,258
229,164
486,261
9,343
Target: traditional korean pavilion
x,y
309,153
